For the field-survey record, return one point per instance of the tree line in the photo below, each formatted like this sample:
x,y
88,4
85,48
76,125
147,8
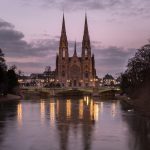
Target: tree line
x,y
137,75
8,77
135,81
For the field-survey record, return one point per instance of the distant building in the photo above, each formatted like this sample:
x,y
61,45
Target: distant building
x,y
75,71
49,76
108,80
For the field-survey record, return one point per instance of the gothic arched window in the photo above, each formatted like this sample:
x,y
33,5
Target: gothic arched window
x,y
86,52
63,53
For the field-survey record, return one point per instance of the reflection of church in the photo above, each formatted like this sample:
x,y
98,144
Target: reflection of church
x,y
75,71
75,121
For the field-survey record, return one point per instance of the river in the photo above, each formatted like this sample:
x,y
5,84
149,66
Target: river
x,y
71,124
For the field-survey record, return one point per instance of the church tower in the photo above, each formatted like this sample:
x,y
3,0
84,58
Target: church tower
x,y
86,57
63,45
86,46
63,56
75,71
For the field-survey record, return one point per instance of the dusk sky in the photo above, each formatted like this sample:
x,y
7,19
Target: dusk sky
x,y
30,31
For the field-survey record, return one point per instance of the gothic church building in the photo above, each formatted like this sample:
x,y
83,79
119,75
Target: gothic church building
x,y
75,71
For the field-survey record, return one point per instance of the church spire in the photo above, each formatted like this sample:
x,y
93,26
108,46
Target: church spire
x,y
86,46
63,31
63,37
86,37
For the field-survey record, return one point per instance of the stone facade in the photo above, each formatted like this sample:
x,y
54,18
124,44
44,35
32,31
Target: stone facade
x,y
75,71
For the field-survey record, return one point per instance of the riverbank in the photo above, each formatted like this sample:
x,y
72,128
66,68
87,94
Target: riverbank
x,y
9,97
126,102
139,105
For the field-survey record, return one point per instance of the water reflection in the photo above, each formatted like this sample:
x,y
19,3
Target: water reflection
x,y
52,113
19,114
139,132
81,109
42,110
96,112
113,109
8,111
71,124
78,115
68,108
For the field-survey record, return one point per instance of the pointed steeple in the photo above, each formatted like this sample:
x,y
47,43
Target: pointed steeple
x,y
86,37
75,51
63,37
86,46
63,31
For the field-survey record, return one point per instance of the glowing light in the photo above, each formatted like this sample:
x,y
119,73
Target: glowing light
x,y
68,106
86,99
113,109
91,110
42,108
19,114
57,106
96,112
101,106
81,109
52,113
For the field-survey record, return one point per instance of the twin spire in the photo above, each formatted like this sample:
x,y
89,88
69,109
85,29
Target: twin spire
x,y
86,37
85,41
63,31
63,38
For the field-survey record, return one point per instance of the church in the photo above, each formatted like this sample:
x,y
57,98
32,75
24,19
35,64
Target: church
x,y
75,71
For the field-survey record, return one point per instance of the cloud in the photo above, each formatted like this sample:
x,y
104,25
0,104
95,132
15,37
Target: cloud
x,y
12,43
83,4
34,56
111,59
126,8
18,51
5,25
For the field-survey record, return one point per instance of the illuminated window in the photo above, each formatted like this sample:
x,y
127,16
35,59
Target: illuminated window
x,y
63,53
86,52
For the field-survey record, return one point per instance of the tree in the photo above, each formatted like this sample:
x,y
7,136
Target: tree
x,y
3,74
137,76
2,61
12,79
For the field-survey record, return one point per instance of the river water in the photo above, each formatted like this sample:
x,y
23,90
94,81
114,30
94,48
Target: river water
x,y
71,124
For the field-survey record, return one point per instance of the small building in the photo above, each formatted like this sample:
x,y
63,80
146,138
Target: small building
x,y
108,80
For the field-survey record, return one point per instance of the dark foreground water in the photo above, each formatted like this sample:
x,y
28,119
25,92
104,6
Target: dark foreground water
x,y
71,124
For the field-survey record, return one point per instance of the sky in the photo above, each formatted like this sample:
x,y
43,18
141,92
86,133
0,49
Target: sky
x,y
30,31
